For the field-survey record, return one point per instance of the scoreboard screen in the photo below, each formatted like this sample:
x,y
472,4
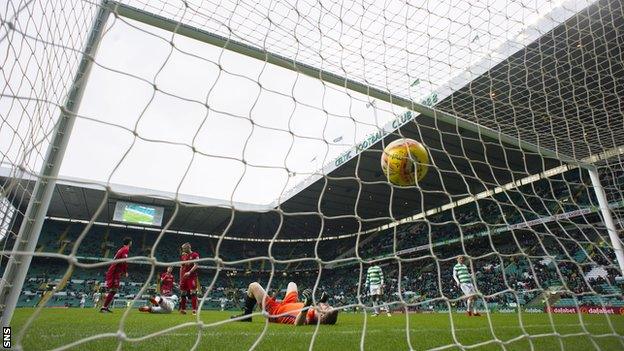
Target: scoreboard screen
x,y
134,213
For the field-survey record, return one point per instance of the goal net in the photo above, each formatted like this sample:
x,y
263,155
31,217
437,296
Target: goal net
x,y
258,132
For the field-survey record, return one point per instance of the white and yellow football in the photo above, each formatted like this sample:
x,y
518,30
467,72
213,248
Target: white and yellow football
x,y
405,161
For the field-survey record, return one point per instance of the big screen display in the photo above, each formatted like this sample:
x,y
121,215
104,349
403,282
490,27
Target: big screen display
x,y
134,213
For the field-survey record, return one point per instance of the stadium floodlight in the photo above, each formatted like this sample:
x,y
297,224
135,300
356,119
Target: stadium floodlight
x,y
516,144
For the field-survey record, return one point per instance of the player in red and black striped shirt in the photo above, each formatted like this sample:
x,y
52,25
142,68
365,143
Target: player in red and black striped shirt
x,y
114,272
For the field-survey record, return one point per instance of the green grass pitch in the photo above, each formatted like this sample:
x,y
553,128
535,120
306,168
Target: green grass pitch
x,y
57,327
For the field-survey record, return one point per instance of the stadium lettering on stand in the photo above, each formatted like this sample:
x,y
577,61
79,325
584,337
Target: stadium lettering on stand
x,y
586,310
561,310
397,123
370,140
343,158
566,215
373,138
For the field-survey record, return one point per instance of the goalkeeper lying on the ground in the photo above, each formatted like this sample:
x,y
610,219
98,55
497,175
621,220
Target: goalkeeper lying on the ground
x,y
290,310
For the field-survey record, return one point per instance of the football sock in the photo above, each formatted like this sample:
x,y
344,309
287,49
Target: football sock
x,y
194,301
183,303
307,297
375,304
250,303
109,298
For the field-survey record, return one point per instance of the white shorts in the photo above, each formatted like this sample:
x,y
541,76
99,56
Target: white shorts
x,y
375,290
468,289
166,305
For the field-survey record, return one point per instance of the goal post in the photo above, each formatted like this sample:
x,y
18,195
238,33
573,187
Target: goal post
x,y
607,218
28,236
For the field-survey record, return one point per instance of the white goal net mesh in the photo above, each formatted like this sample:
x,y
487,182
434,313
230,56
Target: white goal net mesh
x,y
254,131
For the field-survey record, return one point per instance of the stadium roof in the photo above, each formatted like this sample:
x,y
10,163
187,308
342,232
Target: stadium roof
x,y
568,101
194,113
563,92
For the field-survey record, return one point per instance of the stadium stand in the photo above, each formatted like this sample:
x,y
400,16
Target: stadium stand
x,y
504,281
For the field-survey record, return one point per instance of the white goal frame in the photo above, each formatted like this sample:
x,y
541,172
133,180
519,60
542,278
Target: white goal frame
x,y
30,229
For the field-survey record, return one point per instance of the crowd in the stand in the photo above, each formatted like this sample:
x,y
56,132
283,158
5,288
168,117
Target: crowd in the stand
x,y
546,199
425,283
511,267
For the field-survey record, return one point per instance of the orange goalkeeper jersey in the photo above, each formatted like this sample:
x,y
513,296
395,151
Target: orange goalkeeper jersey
x,y
286,311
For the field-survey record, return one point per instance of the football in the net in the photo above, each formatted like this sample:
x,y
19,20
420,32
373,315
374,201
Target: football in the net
x,y
405,161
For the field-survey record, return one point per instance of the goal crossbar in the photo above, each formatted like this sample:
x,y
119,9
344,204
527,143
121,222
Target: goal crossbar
x,y
325,76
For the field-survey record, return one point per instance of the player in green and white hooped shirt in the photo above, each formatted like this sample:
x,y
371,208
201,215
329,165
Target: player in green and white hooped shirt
x,y
463,278
374,284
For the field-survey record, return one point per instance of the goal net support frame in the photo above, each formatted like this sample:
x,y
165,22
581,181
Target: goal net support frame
x,y
32,223
23,250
